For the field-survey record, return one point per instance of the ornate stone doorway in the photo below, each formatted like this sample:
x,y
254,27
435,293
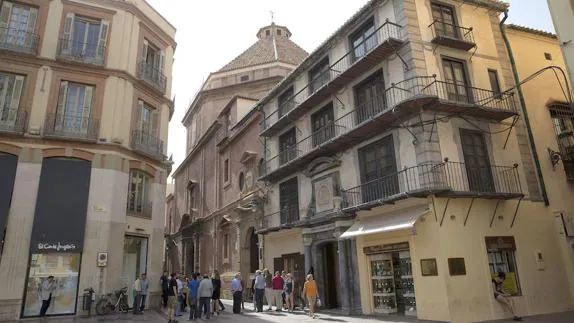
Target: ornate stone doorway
x,y
253,250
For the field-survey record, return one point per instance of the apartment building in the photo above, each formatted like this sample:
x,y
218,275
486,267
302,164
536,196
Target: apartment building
x,y
84,111
217,197
563,17
398,169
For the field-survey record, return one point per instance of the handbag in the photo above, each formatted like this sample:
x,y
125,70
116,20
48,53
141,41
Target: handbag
x,y
318,303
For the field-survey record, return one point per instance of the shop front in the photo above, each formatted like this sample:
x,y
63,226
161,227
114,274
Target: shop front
x,y
57,239
135,260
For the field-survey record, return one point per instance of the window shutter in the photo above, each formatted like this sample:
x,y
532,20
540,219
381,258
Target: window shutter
x,y
104,30
68,29
4,93
30,28
5,13
88,98
154,123
61,109
17,92
139,121
145,49
161,63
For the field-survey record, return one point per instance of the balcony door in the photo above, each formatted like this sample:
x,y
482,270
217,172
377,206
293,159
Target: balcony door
x,y
289,201
287,146
369,97
378,170
10,92
323,125
153,59
17,25
444,21
147,124
457,86
364,40
476,161
74,108
286,102
85,38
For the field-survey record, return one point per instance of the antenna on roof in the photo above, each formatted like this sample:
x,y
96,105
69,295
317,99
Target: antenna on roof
x,y
272,16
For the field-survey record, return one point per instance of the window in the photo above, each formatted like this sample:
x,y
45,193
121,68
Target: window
x,y
502,258
378,170
191,198
364,40
444,21
84,38
287,146
226,246
285,102
147,120
476,161
11,87
289,201
153,58
323,125
268,32
226,170
244,78
74,108
241,181
548,56
370,97
494,83
139,193
562,119
319,75
457,87
279,32
17,25
456,267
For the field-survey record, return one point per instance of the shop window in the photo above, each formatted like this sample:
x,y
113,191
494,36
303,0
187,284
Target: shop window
x,y
502,258
456,266
139,193
135,260
65,268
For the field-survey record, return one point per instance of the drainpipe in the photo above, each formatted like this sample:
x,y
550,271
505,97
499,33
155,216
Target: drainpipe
x,y
524,112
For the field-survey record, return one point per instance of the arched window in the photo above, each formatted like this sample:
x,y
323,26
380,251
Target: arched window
x,y
139,201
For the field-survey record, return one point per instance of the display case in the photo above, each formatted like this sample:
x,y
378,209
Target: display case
x,y
382,284
407,284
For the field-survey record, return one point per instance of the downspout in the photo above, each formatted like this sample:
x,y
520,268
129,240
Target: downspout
x,y
524,111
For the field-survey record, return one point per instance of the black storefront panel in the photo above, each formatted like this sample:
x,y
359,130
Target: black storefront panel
x,y
8,165
61,206
58,235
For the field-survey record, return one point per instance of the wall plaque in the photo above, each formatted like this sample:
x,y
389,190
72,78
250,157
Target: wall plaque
x,y
324,194
386,248
428,267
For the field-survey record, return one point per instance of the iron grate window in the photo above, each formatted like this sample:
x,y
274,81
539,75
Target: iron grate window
x,y
563,121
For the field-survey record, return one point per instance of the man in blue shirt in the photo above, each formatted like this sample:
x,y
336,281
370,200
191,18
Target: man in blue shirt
x,y
237,290
259,290
193,287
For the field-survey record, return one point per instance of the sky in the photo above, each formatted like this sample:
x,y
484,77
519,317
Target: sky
x,y
210,33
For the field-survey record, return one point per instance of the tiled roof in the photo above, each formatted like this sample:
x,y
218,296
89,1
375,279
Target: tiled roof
x,y
263,51
532,31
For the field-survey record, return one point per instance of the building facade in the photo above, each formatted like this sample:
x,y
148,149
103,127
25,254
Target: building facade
x,y
563,17
84,111
398,169
217,197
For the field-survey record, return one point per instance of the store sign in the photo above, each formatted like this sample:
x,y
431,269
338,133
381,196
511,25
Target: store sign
x,y
57,246
386,248
496,243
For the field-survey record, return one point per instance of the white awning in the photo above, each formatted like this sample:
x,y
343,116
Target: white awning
x,y
385,223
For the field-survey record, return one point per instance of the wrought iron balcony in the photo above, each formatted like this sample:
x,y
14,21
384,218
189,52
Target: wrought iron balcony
x,y
18,40
152,76
143,210
447,34
397,102
452,179
88,53
147,144
379,45
71,127
13,121
285,218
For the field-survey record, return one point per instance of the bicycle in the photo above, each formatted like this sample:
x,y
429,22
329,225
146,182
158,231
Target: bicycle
x,y
112,302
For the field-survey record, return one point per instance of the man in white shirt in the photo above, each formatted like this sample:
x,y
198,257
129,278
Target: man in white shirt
x,y
137,291
48,287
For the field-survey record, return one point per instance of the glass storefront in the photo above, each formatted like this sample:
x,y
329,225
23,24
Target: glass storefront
x,y
135,261
65,268
392,283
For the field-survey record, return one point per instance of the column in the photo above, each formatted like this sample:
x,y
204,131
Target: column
x,y
307,242
237,267
355,279
344,277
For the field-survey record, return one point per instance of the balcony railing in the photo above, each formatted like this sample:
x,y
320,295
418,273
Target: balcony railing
x,y
18,40
451,35
400,97
143,210
147,144
447,178
285,218
385,40
13,120
81,52
152,76
71,127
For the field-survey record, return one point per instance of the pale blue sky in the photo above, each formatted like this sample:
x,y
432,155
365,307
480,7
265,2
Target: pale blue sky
x,y
531,13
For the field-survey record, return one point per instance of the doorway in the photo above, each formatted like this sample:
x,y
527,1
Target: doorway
x,y
253,251
330,252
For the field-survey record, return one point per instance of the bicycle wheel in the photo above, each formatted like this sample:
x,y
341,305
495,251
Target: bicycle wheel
x,y
102,307
123,306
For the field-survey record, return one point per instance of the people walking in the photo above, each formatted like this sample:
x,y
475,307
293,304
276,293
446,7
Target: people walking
x,y
259,288
277,285
136,292
288,290
192,298
48,287
253,291
268,288
237,291
310,292
164,282
172,298
205,293
144,283
216,282
180,299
